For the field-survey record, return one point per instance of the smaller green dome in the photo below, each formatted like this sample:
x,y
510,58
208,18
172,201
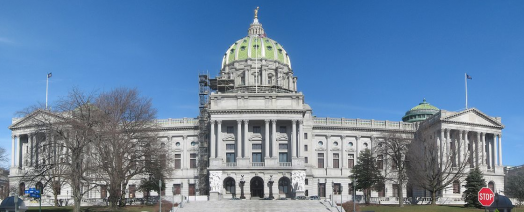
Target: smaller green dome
x,y
420,112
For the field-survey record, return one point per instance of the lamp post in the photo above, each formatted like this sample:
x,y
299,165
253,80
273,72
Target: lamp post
x,y
160,194
354,193
181,194
15,196
270,184
242,182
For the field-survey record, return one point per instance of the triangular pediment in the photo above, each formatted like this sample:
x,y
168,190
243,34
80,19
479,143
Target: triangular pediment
x,y
36,118
473,116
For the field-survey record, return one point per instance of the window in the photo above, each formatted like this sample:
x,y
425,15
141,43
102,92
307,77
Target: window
x,y
162,159
393,164
306,181
335,143
282,129
103,191
282,146
456,187
132,191
256,129
335,160
350,144
320,143
305,160
320,160
230,146
192,160
380,164
305,135
395,190
350,188
337,188
257,146
230,157
176,189
230,130
192,191
351,160
305,148
282,157
257,157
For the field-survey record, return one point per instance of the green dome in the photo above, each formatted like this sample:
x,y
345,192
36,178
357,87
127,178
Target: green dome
x,y
256,47
420,112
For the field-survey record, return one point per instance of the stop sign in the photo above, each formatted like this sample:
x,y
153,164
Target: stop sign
x,y
486,196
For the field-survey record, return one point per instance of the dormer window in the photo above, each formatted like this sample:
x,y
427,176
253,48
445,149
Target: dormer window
x,y
245,41
243,48
280,51
269,48
255,46
232,50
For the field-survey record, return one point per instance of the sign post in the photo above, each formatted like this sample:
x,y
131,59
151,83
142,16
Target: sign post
x,y
35,193
486,197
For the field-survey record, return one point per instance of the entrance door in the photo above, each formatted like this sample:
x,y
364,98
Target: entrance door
x,y
284,186
192,190
322,190
257,187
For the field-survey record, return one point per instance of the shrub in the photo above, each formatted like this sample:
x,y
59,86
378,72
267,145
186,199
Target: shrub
x,y
348,206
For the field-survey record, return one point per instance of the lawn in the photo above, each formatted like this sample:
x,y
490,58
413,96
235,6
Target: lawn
x,y
421,208
97,209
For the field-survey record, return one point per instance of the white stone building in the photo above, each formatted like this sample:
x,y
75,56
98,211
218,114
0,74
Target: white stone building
x,y
262,136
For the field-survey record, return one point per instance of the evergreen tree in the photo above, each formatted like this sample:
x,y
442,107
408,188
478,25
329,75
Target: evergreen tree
x,y
367,175
474,182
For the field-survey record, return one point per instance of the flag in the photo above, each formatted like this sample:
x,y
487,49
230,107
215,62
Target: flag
x,y
469,77
49,75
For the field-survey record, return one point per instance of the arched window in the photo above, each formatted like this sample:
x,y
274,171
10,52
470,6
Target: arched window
x,y
21,189
456,187
283,185
39,186
491,185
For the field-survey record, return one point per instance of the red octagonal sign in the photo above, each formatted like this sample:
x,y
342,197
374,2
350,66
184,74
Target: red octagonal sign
x,y
486,197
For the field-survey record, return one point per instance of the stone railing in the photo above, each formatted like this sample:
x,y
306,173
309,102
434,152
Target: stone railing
x,y
285,164
367,123
257,164
177,122
231,164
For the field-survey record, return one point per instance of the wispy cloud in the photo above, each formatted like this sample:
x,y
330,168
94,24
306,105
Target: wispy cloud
x,y
6,40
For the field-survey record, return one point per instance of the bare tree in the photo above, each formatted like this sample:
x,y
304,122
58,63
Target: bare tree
x,y
128,143
394,148
75,123
434,166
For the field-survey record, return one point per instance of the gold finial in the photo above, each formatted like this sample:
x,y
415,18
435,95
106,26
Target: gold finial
x,y
256,13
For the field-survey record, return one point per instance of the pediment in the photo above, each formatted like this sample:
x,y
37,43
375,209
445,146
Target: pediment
x,y
473,116
34,119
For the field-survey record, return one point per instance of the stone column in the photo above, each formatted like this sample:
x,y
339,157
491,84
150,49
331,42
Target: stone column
x,y
219,139
246,126
185,154
500,149
328,164
342,154
357,150
31,148
442,149
478,152
447,147
300,136
495,151
212,141
293,138
17,157
483,148
239,139
13,147
489,155
460,144
274,138
266,138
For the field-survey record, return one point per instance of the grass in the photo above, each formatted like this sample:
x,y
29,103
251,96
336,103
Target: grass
x,y
95,209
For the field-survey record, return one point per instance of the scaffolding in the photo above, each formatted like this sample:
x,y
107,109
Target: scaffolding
x,y
203,120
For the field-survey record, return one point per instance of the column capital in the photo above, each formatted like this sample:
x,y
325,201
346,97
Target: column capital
x,y
357,137
266,121
301,121
239,121
500,135
274,120
219,121
246,121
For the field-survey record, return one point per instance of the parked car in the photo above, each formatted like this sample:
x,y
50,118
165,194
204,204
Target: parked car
x,y
314,198
301,198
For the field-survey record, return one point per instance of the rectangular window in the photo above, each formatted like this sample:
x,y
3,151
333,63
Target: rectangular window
x,y
282,146
306,181
230,130
163,160
256,129
456,187
257,146
351,160
176,188
257,157
230,157
335,160
282,157
380,162
350,188
103,191
192,160
282,129
132,191
305,148
305,160
230,146
337,188
393,164
305,135
178,160
395,190
320,160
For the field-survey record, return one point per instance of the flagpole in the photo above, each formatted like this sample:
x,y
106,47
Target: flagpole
x,y
46,89
466,80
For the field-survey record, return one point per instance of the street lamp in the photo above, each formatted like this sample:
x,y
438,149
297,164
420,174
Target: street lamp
x,y
270,183
242,182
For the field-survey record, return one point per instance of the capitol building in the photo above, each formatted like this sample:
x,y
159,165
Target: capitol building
x,y
261,139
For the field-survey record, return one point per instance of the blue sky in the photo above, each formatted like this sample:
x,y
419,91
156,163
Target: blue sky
x,y
353,59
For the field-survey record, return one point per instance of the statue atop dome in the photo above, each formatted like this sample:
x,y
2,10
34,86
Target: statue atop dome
x,y
256,13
